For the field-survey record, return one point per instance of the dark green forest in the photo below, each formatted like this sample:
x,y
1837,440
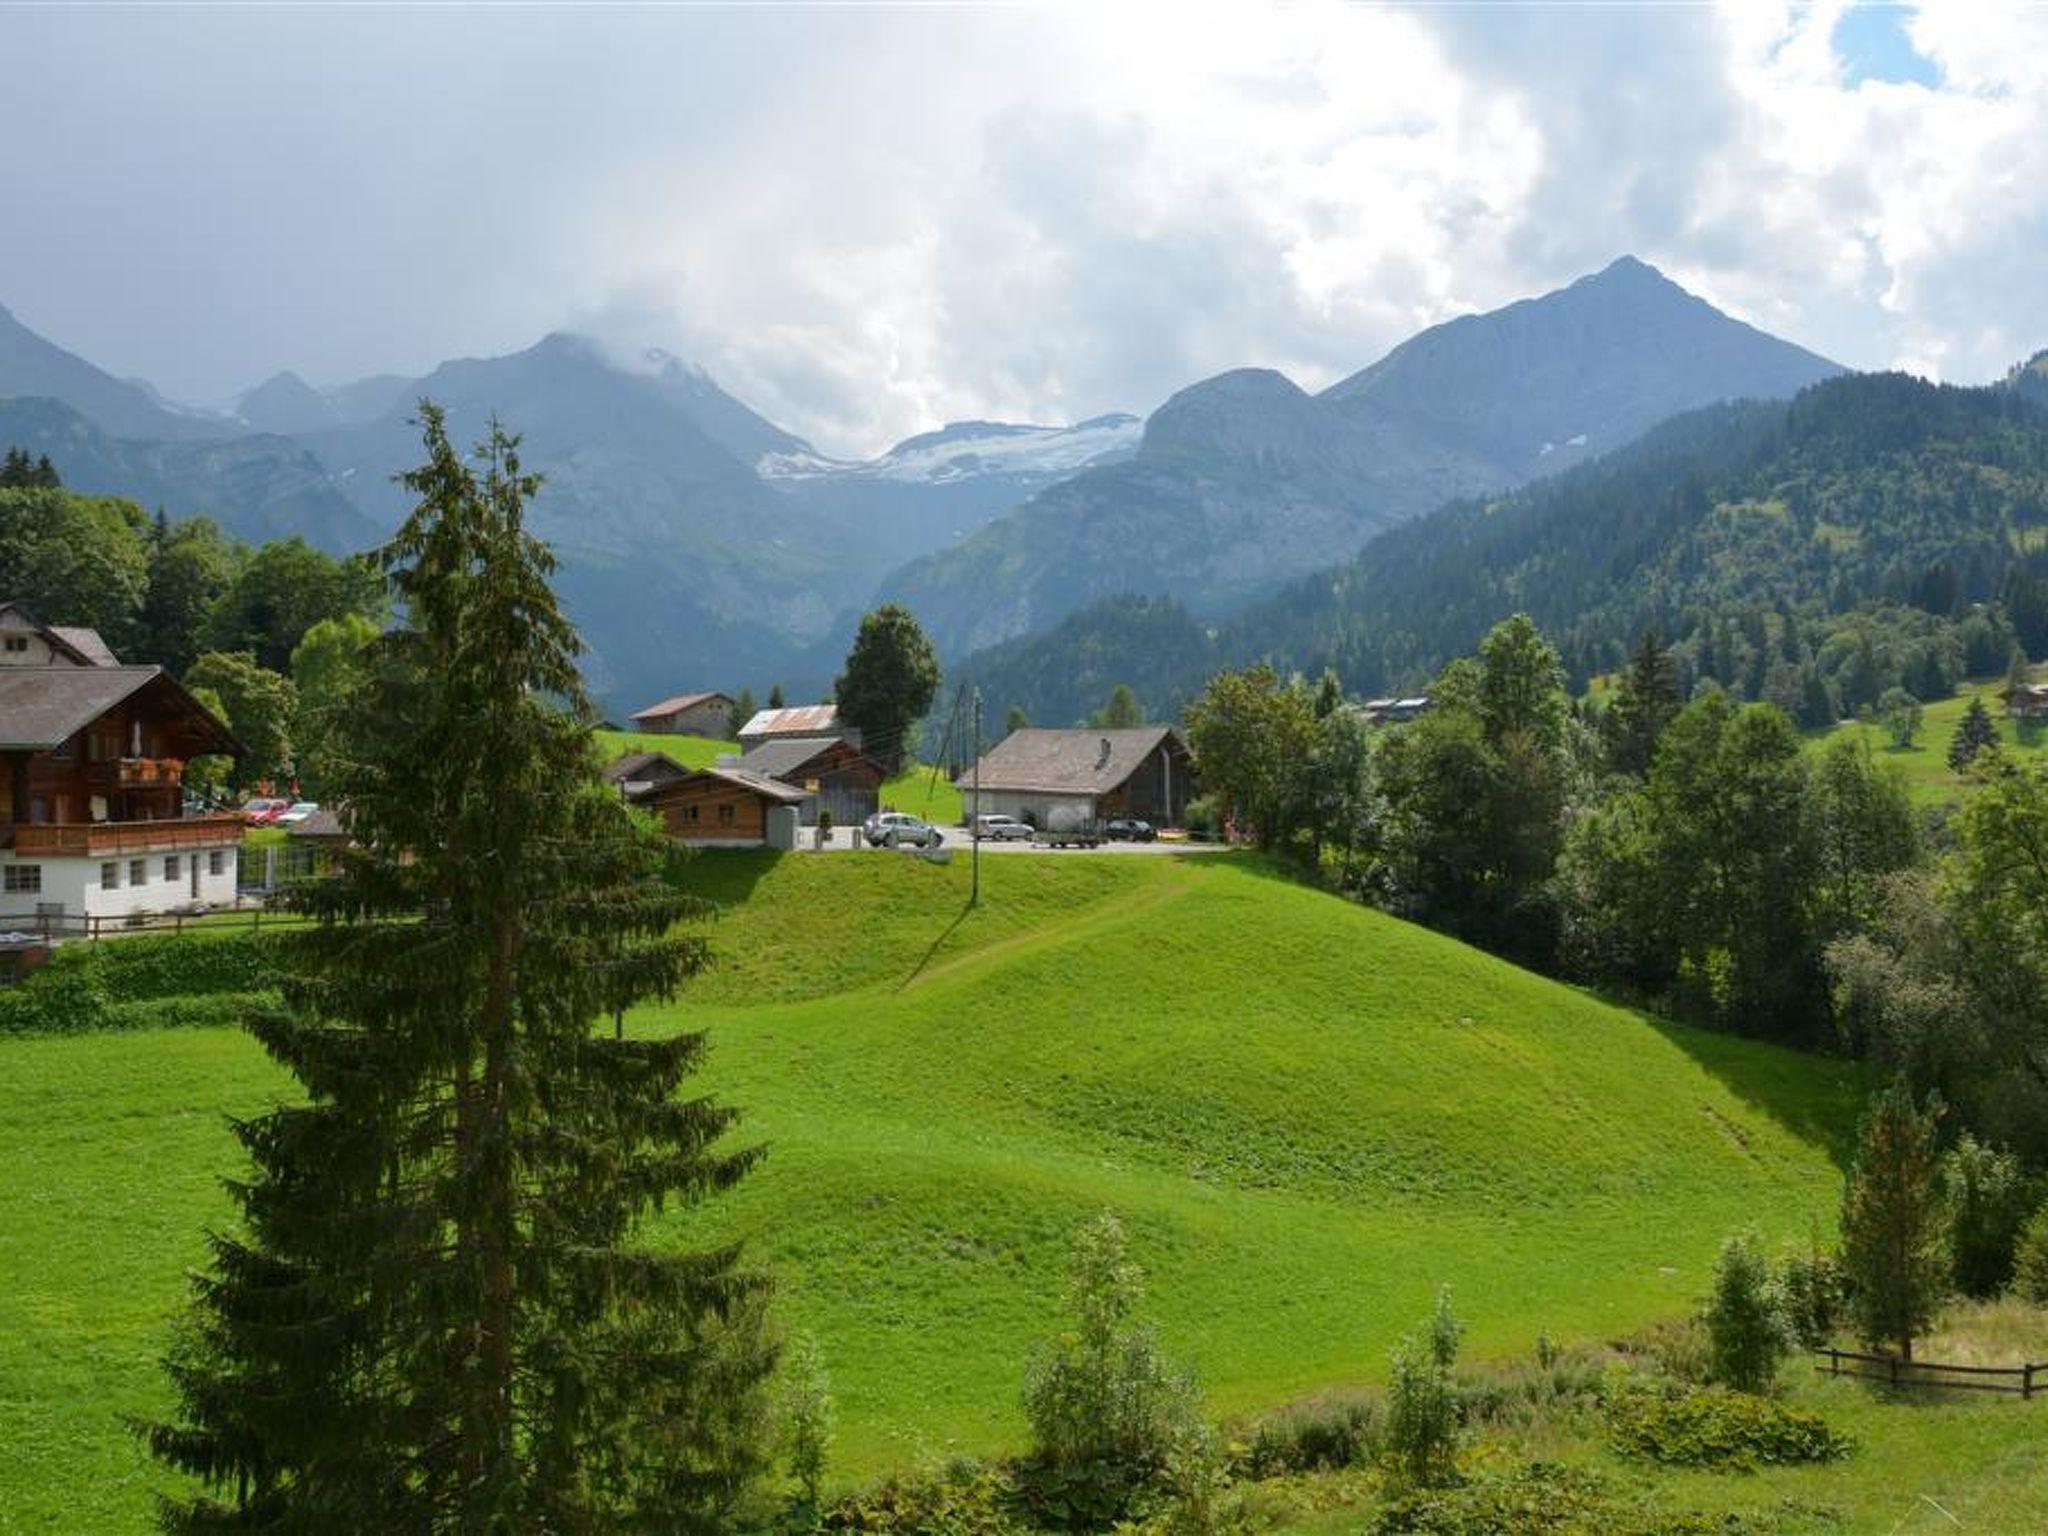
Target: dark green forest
x,y
1877,531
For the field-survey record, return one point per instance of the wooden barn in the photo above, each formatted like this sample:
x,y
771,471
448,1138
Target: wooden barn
x,y
689,714
835,776
725,808
1065,780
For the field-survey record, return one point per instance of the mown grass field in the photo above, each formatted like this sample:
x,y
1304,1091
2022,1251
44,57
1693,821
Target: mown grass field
x,y
916,790
1929,779
1309,1115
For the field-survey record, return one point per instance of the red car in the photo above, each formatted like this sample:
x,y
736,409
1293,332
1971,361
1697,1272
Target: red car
x,y
261,813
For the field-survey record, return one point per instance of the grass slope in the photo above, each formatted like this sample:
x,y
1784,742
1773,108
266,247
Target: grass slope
x,y
1309,1114
1929,779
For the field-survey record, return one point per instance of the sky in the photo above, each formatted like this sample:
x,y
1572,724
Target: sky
x,y
868,220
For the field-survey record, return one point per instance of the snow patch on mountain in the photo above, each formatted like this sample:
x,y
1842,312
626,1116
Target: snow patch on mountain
x,y
964,450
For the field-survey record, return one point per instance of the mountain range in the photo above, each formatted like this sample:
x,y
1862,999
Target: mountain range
x,y
703,545
1245,480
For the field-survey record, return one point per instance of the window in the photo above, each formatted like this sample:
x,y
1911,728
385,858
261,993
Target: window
x,y
17,643
690,812
23,879
138,871
726,813
171,866
110,876
216,862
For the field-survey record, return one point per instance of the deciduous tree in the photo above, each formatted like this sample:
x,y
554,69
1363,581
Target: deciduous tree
x,y
891,677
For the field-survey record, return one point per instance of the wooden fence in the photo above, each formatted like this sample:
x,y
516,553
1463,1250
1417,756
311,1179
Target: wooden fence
x,y
2021,1381
54,926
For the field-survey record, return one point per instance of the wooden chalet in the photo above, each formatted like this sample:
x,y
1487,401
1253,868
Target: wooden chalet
x,y
726,808
638,772
92,796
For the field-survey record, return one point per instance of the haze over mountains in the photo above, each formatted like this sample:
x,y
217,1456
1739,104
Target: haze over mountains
x,y
703,545
1245,480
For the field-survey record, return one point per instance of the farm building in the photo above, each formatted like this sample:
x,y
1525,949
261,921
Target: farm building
x,y
1394,711
92,797
2026,701
797,720
834,775
1062,779
637,772
727,808
689,714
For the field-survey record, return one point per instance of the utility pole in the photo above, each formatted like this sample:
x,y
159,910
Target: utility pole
x,y
974,810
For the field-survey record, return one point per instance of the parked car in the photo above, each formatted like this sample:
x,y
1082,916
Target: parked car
x,y
895,829
296,812
1002,829
262,812
1129,829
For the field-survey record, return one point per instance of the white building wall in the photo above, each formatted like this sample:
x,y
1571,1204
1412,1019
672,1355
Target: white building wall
x,y
1047,812
75,884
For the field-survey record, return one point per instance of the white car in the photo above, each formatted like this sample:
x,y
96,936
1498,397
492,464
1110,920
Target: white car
x,y
296,812
1002,829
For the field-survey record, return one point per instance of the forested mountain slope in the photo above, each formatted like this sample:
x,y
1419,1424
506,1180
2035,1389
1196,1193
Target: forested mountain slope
x,y
1245,480
1739,530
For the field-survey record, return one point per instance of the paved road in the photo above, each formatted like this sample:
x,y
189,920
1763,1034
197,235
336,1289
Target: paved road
x,y
958,842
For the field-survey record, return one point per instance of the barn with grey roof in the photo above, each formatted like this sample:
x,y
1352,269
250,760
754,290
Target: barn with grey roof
x,y
1060,780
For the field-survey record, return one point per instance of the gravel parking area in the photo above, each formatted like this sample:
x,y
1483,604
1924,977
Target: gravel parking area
x,y
845,839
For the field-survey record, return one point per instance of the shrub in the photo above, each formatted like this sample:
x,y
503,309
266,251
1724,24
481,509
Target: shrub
x,y
1988,1198
1731,1431
806,1413
1745,1322
1320,1437
1106,1409
1812,1289
1542,1497
2030,1259
83,986
1422,1404
1203,818
966,1499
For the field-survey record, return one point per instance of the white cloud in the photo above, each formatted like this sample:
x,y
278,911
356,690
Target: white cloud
x,y
868,221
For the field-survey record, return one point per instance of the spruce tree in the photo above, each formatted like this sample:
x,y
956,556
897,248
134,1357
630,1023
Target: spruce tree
x,y
1643,706
433,1314
1894,1222
1974,734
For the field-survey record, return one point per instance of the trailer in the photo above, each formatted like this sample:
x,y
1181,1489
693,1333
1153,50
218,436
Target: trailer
x,y
1084,835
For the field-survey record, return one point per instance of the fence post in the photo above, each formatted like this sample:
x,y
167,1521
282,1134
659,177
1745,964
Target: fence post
x,y
1895,1370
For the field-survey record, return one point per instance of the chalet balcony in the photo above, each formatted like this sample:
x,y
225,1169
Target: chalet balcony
x,y
109,839
136,773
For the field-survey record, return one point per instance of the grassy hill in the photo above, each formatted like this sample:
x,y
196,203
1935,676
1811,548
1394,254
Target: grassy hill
x,y
916,790
1309,1115
1929,778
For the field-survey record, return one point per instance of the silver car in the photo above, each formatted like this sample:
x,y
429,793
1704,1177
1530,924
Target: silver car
x,y
997,828
894,829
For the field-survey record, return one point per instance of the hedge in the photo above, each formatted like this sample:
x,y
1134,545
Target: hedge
x,y
85,987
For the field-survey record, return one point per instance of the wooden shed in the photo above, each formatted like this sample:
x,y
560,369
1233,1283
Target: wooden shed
x,y
688,714
720,807
834,775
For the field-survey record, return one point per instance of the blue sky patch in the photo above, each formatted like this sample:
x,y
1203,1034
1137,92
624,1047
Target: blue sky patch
x,y
1873,44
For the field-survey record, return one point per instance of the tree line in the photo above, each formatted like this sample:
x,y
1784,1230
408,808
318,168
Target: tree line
x,y
1694,855
263,633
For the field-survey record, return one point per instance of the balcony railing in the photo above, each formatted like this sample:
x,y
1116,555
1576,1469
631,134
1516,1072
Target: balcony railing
x,y
90,839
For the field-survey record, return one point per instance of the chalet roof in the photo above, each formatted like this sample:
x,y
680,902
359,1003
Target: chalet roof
x,y
83,646
634,765
91,649
680,702
1070,762
773,789
781,756
42,707
797,720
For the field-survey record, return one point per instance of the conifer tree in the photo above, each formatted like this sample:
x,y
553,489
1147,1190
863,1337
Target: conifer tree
x,y
1643,705
1894,1222
1974,734
433,1315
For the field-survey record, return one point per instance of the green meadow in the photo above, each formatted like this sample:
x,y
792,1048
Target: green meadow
x,y
1310,1115
1929,779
